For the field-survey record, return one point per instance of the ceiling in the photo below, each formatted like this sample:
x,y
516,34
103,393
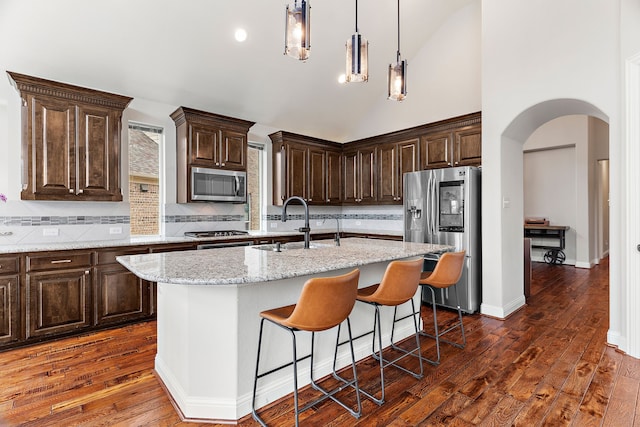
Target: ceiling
x,y
184,53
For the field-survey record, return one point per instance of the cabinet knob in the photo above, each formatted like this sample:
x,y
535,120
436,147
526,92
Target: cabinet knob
x,y
80,191
217,163
310,200
71,190
328,200
221,164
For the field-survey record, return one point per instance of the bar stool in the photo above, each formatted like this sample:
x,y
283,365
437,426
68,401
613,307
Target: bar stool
x,y
325,302
399,285
447,272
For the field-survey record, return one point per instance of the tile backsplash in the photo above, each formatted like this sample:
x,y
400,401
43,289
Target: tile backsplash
x,y
28,222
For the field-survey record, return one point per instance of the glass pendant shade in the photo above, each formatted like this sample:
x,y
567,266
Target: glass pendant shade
x,y
297,30
397,80
357,59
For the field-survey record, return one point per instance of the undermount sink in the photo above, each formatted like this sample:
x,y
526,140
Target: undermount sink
x,y
290,246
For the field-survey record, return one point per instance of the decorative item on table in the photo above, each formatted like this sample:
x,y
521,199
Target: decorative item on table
x,y
3,197
536,221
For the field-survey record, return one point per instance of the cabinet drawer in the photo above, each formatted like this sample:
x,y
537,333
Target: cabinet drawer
x,y
109,257
62,260
9,264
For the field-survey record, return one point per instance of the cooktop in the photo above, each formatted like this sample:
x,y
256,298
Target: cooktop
x,y
215,233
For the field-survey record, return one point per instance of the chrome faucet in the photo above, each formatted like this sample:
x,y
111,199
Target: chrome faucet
x,y
306,230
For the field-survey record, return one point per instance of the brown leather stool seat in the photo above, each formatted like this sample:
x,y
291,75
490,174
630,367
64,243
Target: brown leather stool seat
x,y
325,302
447,272
398,286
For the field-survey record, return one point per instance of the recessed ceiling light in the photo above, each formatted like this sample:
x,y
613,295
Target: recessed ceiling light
x,y
241,35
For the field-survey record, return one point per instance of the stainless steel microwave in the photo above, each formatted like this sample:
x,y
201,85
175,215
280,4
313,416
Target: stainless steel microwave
x,y
218,185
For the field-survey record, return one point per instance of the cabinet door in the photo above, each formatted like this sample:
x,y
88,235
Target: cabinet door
x,y
204,143
121,295
468,147
334,177
233,152
436,150
387,173
297,171
317,176
408,161
367,175
52,149
350,182
98,153
58,302
9,310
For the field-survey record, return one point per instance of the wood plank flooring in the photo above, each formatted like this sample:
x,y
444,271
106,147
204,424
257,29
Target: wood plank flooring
x,y
547,365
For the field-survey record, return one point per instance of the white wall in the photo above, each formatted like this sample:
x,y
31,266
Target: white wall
x,y
561,178
542,60
550,192
447,86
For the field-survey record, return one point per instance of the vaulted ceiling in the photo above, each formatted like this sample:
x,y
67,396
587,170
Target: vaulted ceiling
x,y
184,53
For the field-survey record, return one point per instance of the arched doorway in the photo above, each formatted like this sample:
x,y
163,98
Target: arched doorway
x,y
503,271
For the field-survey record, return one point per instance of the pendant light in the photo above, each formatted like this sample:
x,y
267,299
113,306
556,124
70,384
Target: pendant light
x,y
357,56
397,77
297,30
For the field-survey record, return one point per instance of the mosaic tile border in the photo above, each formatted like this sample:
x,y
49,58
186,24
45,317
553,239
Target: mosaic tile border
x,y
376,217
34,221
201,218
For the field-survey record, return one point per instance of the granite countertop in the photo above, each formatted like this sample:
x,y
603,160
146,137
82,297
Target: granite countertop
x,y
157,240
242,265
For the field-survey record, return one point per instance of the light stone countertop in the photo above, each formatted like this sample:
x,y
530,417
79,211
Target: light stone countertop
x,y
243,265
155,240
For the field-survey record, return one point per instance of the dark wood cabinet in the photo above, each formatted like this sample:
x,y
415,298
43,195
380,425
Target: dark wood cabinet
x,y
395,159
70,141
305,167
207,140
58,293
121,296
9,302
360,186
461,146
467,146
436,150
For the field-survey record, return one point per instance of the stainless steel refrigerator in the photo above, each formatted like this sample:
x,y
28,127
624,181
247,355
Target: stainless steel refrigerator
x,y
443,206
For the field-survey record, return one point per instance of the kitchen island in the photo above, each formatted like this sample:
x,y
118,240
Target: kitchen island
x,y
208,316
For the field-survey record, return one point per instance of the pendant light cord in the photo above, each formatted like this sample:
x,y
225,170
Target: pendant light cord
x,y
356,16
398,56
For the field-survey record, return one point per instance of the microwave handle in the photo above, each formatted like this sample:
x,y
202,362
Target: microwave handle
x,y
236,185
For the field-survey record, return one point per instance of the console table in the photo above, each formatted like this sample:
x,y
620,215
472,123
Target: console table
x,y
554,233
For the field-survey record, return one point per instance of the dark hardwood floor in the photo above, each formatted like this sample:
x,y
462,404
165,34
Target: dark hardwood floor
x,y
547,365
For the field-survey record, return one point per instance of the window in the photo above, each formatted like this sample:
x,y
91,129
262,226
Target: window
x,y
144,178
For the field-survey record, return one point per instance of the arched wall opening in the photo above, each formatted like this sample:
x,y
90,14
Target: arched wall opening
x,y
503,298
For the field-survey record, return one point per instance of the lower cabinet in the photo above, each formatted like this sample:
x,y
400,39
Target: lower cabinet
x,y
121,296
58,302
9,310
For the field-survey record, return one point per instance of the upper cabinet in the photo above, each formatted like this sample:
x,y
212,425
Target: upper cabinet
x,y
370,171
452,143
70,141
207,140
306,167
394,160
360,177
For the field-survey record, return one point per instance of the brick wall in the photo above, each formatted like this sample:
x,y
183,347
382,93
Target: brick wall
x,y
144,208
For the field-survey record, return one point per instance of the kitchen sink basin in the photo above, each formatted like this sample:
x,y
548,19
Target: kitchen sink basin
x,y
290,246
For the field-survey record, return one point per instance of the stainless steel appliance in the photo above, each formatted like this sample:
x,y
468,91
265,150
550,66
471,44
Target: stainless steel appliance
x,y
443,206
215,233
218,185
219,233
